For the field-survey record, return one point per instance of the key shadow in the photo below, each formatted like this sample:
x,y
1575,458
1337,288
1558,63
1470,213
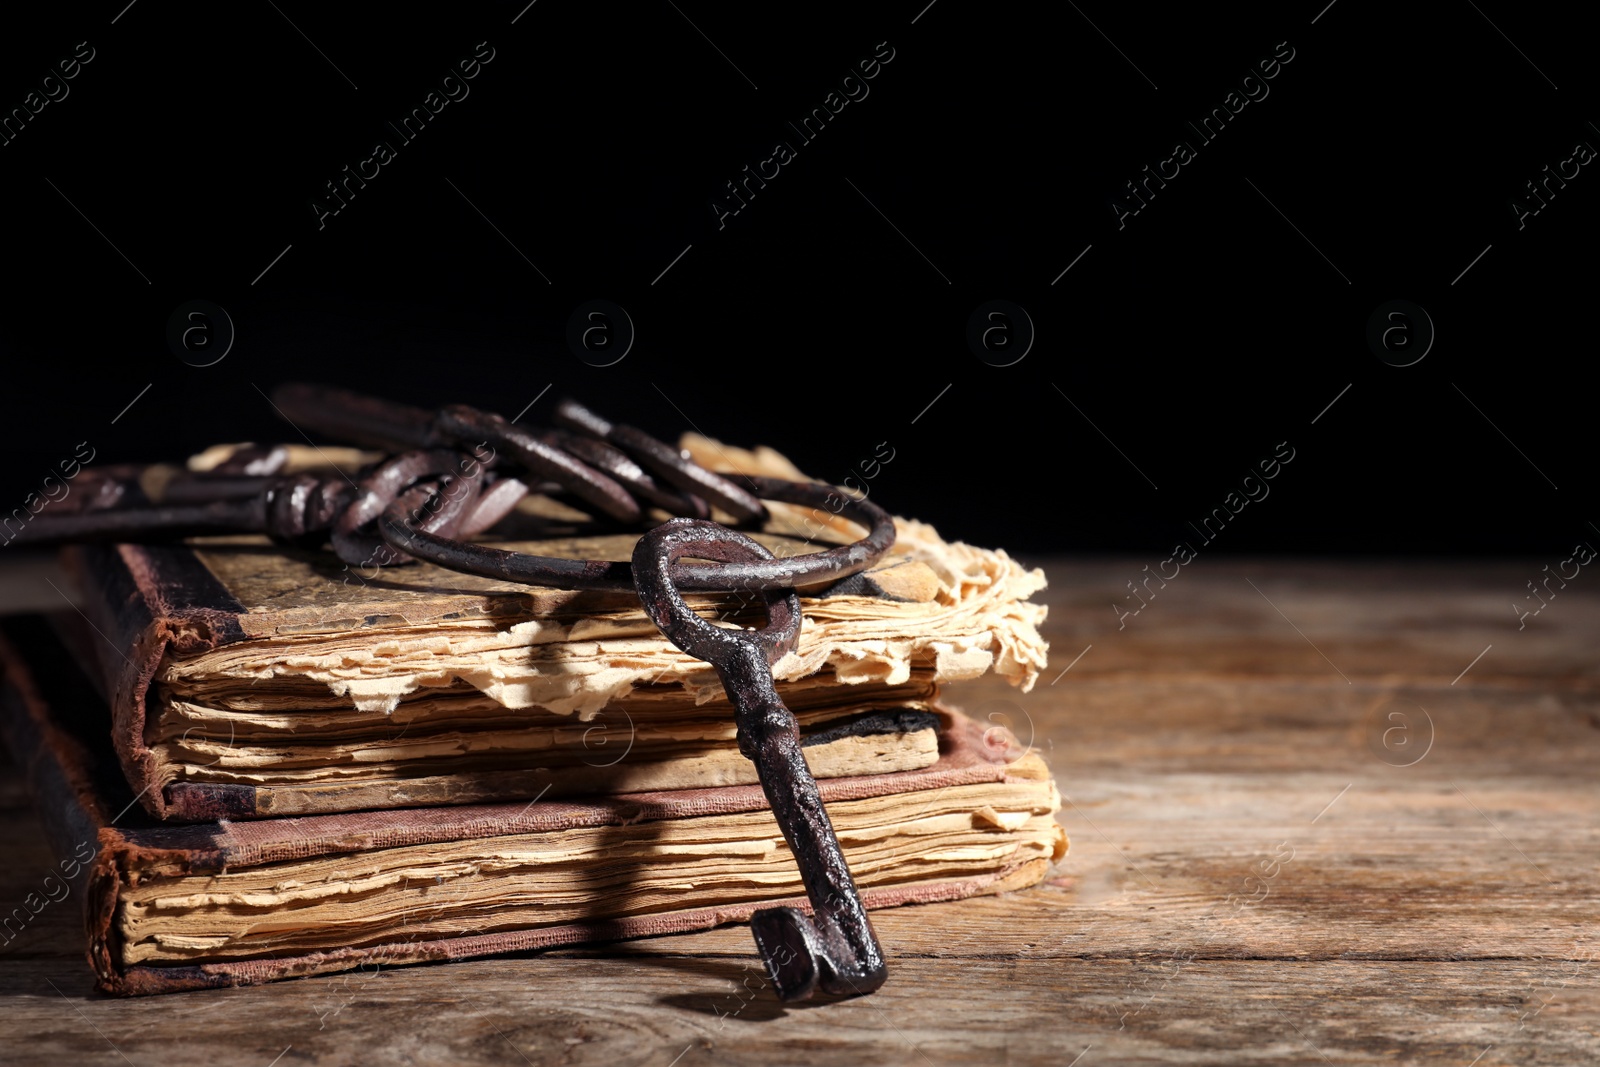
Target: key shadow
x,y
747,993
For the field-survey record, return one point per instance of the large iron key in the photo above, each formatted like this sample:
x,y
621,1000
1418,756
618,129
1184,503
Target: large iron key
x,y
835,949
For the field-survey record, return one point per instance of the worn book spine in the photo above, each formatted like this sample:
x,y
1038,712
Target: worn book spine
x,y
144,600
72,784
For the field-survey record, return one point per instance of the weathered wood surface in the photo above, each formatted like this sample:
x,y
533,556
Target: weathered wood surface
x,y
1267,867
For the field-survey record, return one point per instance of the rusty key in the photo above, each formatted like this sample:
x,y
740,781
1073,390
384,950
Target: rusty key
x,y
835,949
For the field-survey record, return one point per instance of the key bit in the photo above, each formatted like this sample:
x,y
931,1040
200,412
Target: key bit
x,y
834,949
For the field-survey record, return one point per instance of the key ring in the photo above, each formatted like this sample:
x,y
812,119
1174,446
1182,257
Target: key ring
x,y
424,502
400,531
602,463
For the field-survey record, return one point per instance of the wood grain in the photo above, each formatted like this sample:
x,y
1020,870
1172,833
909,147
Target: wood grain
x,y
1267,867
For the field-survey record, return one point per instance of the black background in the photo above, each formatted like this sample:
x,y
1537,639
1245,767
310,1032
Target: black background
x,y
828,315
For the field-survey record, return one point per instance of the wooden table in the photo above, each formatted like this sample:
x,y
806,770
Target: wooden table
x,y
1320,813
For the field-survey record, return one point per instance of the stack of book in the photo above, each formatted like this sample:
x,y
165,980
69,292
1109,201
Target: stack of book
x,y
266,764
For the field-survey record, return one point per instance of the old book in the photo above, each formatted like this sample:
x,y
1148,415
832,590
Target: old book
x,y
171,907
250,680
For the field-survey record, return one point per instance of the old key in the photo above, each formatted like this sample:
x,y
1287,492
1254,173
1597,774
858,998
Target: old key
x,y
836,948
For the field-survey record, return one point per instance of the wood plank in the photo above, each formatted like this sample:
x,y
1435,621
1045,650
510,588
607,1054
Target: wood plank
x,y
687,1011
1419,621
1094,726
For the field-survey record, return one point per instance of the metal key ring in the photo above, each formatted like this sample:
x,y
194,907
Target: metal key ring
x,y
370,524
812,568
670,542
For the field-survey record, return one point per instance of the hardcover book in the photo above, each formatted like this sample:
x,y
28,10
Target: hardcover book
x,y
247,679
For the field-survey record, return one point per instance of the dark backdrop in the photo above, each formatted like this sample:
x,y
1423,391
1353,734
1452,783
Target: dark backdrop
x,y
1387,154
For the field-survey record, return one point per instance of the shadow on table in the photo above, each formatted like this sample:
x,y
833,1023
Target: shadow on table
x,y
729,990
